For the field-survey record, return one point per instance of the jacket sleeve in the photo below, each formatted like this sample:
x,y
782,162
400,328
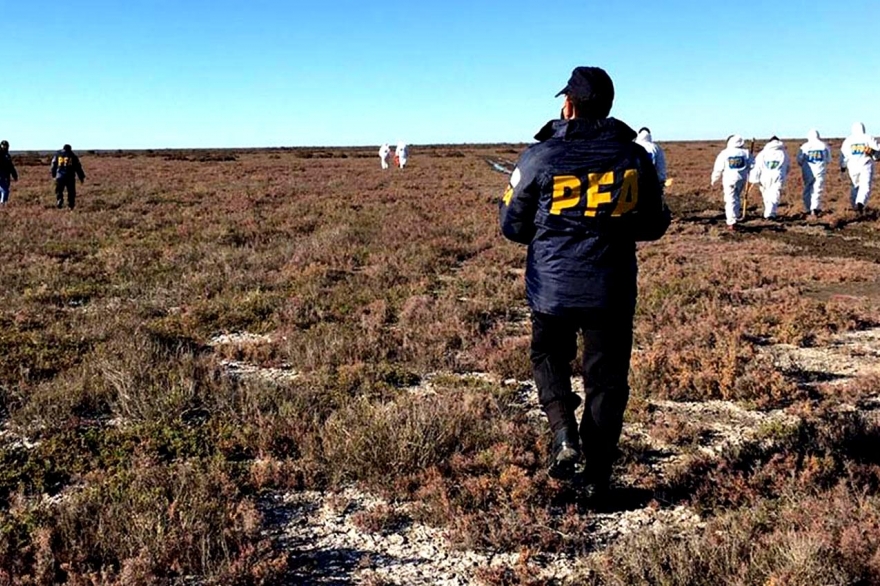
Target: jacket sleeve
x,y
12,170
874,144
755,166
54,170
652,216
79,169
844,160
661,165
520,203
800,158
719,167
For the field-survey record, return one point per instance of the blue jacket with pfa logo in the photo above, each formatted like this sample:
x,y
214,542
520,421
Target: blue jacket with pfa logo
x,y
580,199
66,167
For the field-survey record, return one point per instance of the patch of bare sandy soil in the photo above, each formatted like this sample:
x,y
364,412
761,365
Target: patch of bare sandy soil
x,y
849,355
326,531
332,546
244,370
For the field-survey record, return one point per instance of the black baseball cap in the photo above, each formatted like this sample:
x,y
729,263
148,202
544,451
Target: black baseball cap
x,y
590,85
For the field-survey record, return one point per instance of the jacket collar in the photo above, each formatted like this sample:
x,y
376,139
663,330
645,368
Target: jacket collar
x,y
580,129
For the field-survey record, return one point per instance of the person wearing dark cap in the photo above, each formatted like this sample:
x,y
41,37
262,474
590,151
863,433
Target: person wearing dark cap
x,y
7,172
580,199
65,169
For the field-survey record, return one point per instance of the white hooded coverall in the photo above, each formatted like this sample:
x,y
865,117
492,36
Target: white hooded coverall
x,y
385,155
732,167
645,141
402,153
856,157
770,172
813,158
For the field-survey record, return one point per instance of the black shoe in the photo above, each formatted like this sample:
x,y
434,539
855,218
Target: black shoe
x,y
860,209
565,455
595,490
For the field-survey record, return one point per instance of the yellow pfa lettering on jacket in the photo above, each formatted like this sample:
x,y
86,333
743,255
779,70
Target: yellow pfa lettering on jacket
x,y
815,156
860,150
566,193
602,190
508,195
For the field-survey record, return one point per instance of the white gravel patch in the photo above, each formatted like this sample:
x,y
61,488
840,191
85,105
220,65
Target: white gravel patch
x,y
239,339
847,356
244,370
329,547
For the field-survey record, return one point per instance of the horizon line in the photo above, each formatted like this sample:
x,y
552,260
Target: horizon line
x,y
356,146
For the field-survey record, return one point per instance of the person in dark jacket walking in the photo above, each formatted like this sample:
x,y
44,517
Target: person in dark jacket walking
x,y
580,199
7,172
65,169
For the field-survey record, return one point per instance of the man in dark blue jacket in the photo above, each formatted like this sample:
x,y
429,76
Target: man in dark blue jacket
x,y
65,169
7,172
580,199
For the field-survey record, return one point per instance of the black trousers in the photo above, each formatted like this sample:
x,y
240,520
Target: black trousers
x,y
607,336
71,193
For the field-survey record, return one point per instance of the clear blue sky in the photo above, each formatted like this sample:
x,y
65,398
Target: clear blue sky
x,y
197,73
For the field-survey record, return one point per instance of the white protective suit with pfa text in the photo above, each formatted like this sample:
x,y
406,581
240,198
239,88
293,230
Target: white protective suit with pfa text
x,y
645,140
385,155
813,158
857,157
402,154
732,167
770,172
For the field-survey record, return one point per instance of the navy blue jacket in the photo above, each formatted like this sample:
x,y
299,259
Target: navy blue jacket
x,y
66,167
7,169
580,199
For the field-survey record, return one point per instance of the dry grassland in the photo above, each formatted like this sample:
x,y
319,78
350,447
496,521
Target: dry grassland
x,y
137,447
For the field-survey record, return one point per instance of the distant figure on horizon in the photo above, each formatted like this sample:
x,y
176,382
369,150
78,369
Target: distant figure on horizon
x,y
770,172
7,172
857,155
813,158
65,169
401,154
646,141
732,166
385,155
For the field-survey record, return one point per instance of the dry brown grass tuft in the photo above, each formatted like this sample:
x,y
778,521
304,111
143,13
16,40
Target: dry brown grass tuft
x,y
829,538
380,443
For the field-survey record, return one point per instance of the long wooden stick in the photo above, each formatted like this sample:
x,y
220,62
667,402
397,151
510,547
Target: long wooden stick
x,y
744,201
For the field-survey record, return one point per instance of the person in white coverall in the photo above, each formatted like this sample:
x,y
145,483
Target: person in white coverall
x,y
857,155
385,155
770,172
401,153
732,167
813,158
645,141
